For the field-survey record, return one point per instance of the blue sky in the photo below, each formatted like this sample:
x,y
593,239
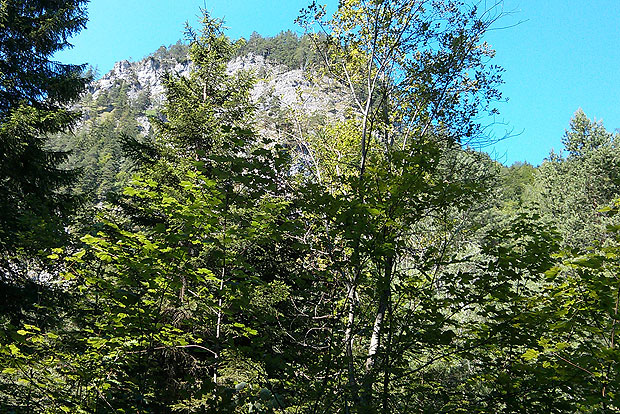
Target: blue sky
x,y
563,54
132,29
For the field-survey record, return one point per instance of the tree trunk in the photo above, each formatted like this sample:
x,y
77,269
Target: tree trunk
x,y
352,383
375,339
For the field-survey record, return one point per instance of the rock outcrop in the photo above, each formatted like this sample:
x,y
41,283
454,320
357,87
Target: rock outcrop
x,y
291,90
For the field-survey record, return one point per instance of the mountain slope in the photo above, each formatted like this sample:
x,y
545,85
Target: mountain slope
x,y
287,102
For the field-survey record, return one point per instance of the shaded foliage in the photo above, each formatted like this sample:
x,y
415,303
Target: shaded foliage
x,y
34,94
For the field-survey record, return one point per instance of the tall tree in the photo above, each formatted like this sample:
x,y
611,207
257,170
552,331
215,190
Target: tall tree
x,y
35,92
417,76
171,296
584,135
572,186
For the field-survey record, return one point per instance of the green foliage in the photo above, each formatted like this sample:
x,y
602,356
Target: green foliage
x,y
171,292
143,327
184,303
504,326
202,112
580,346
376,266
34,94
176,53
391,184
585,136
97,148
31,33
112,140
571,190
516,184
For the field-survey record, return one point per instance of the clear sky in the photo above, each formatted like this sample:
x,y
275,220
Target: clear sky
x,y
132,29
563,54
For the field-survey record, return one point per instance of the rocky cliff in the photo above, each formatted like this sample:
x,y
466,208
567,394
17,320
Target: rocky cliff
x,y
288,102
278,88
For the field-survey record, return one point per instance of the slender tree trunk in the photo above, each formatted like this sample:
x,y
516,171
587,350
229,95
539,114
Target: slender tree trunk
x,y
352,383
386,364
218,328
384,298
375,339
218,347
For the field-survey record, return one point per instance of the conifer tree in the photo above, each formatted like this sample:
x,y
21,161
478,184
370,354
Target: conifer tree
x,y
574,185
35,92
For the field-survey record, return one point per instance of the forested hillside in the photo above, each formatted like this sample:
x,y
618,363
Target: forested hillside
x,y
296,224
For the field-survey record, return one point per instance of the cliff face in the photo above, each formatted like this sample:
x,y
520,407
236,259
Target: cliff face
x,y
277,88
288,105
144,75
290,87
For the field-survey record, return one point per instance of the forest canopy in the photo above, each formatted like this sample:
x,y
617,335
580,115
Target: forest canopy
x,y
365,263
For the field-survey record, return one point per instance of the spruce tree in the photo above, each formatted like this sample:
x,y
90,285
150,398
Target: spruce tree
x,y
35,94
